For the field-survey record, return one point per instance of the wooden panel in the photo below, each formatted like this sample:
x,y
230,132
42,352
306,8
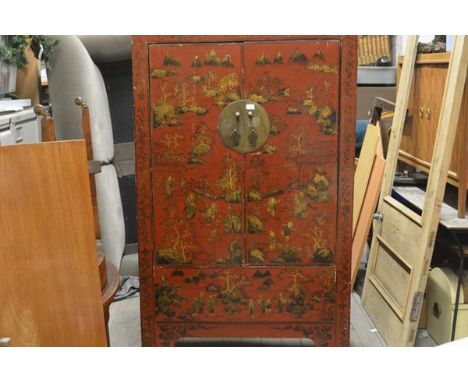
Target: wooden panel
x,y
364,169
397,225
50,290
245,294
387,270
198,190
367,212
292,217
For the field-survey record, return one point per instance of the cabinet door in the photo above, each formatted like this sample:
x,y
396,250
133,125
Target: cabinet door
x,y
291,184
420,130
197,183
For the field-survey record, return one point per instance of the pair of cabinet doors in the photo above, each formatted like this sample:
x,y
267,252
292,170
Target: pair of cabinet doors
x,y
253,243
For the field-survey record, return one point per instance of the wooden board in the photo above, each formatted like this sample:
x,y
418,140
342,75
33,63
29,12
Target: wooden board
x,y
364,169
50,292
367,212
403,241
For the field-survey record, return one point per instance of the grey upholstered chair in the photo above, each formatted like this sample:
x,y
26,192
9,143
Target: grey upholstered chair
x,y
73,73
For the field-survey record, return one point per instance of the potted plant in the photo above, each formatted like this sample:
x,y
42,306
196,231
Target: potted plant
x,y
12,56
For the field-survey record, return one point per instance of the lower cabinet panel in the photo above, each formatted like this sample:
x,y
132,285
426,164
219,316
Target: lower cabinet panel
x,y
245,294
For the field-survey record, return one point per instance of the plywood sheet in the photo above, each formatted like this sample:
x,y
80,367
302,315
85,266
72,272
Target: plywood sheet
x,y
49,291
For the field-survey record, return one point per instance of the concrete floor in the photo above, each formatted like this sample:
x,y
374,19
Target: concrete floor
x,y
124,325
124,322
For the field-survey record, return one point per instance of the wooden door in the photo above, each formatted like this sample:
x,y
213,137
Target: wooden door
x,y
403,241
243,239
50,293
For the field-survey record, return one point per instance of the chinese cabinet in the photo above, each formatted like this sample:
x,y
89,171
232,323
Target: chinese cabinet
x,y
244,232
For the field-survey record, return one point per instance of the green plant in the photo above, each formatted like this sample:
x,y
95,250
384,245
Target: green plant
x,y
12,50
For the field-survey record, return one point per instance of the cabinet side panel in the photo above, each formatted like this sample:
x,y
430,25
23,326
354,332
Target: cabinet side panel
x,y
345,187
144,189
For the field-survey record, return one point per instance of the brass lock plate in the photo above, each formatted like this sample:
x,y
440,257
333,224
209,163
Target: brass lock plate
x,y
244,126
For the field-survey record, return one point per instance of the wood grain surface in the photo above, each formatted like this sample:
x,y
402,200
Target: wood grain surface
x,y
50,292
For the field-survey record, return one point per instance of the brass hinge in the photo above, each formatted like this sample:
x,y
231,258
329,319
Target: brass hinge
x,y
415,308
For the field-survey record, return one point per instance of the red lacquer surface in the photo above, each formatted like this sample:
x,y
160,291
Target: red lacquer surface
x,y
229,241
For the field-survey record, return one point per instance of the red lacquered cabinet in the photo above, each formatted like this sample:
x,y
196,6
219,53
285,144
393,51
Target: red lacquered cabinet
x,y
249,235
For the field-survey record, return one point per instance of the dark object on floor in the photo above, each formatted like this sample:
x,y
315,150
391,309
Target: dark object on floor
x,y
244,342
129,287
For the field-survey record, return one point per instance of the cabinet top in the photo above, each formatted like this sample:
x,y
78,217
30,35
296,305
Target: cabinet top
x,y
231,38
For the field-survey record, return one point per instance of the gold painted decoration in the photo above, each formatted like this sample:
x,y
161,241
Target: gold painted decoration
x,y
324,115
278,58
210,214
272,240
296,302
298,57
165,115
317,186
170,61
271,205
178,245
254,195
186,97
256,256
262,60
201,144
196,62
161,73
212,59
300,205
233,223
269,149
287,229
293,110
235,252
254,224
266,90
322,68
223,89
190,208
168,298
229,181
197,79
288,254
169,186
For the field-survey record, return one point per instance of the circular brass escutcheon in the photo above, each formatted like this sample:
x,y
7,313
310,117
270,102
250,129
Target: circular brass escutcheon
x,y
244,126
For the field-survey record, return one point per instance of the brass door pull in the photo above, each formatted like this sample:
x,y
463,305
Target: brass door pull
x,y
235,138
244,126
